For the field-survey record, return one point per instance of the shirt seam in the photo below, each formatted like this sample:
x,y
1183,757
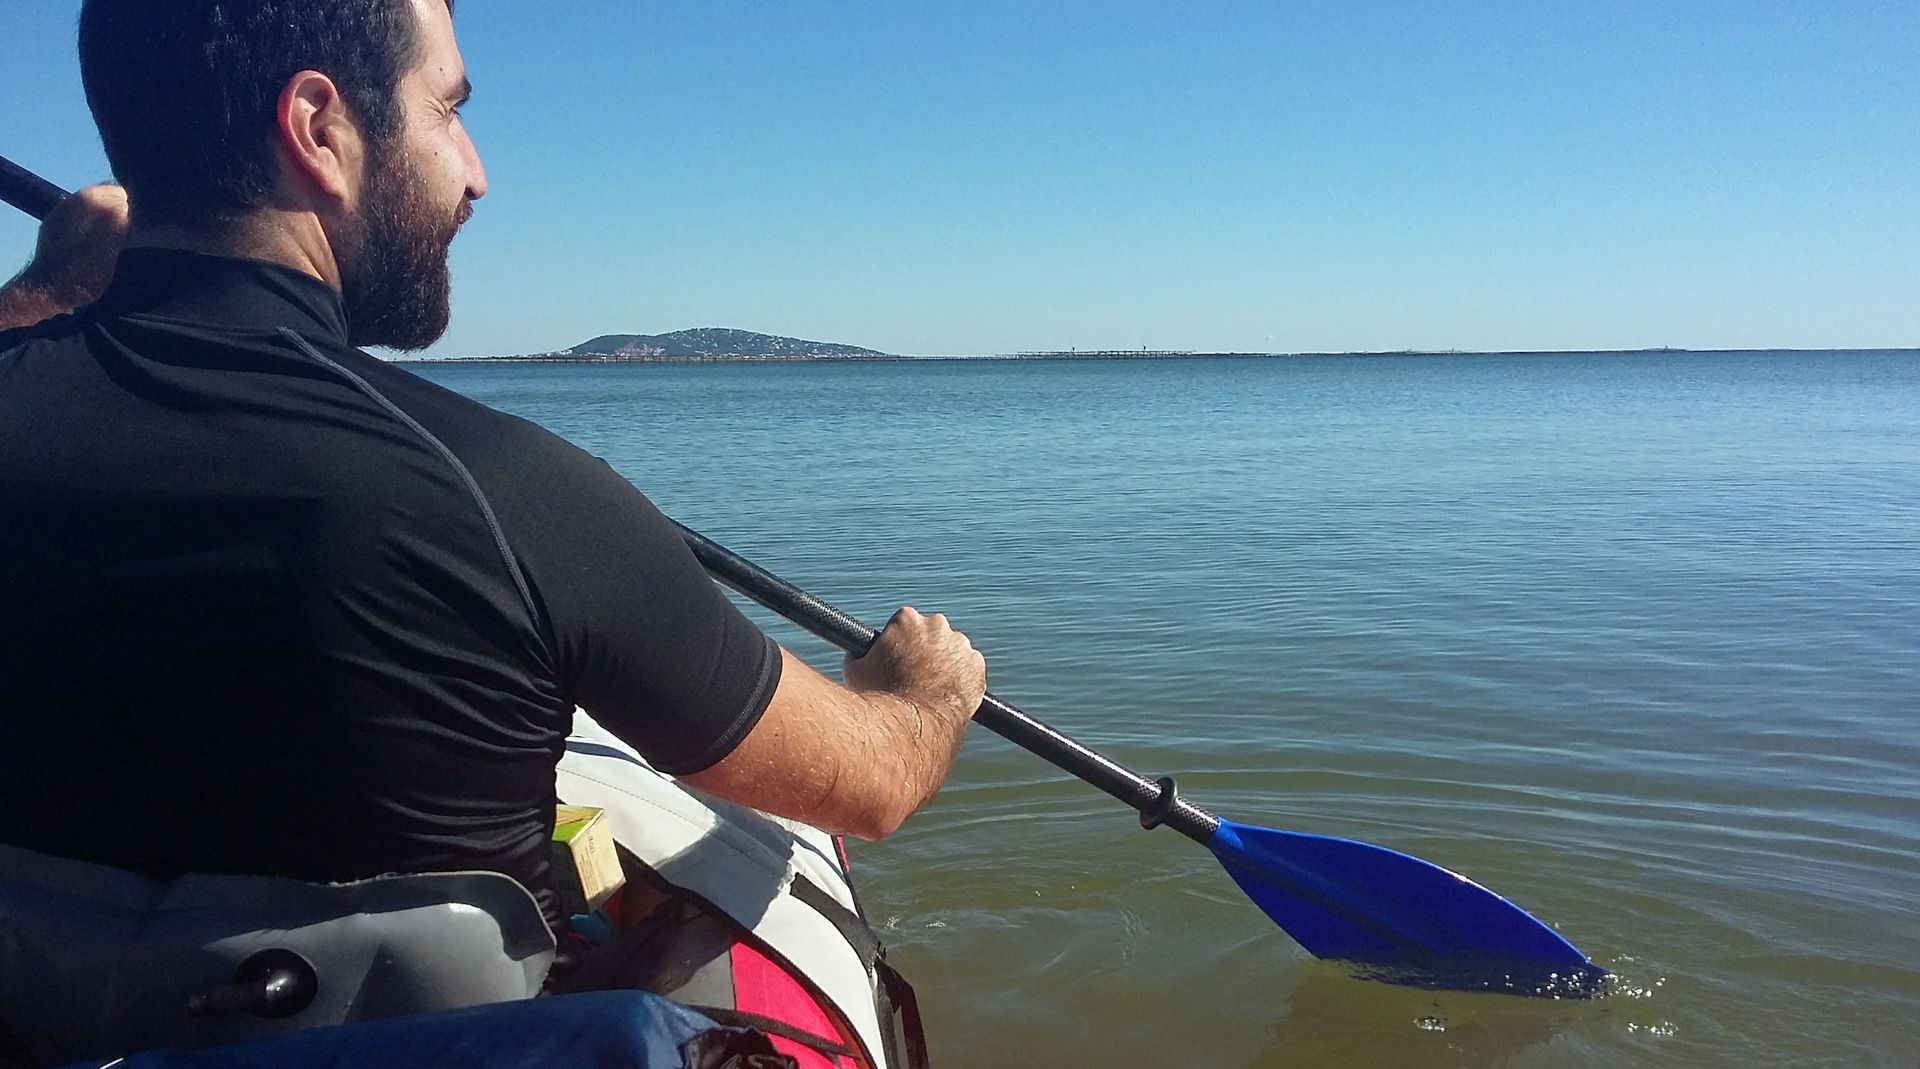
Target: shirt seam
x,y
453,460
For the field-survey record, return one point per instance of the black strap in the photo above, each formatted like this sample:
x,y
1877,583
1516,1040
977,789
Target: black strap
x,y
894,998
729,1048
771,1026
900,998
897,1008
855,931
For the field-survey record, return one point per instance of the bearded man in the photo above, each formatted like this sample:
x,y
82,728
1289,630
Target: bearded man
x,y
269,605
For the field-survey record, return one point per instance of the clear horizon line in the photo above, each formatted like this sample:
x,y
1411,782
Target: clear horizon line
x,y
559,355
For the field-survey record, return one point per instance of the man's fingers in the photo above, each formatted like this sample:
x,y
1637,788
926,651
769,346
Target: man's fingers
x,y
93,213
79,240
105,197
909,617
920,653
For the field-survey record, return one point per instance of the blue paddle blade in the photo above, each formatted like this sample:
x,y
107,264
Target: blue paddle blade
x,y
1399,918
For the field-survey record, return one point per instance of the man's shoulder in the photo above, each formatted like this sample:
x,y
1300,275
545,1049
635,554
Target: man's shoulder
x,y
42,363
486,439
47,330
436,407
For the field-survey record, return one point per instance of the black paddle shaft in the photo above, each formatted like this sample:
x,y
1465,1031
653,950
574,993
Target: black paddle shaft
x,y
28,191
1157,801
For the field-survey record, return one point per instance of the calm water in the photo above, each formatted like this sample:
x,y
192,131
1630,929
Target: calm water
x,y
1634,640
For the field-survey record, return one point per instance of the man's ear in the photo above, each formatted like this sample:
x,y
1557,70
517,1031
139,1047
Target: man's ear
x,y
321,148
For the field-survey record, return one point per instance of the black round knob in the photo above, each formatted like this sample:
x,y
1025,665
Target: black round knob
x,y
271,983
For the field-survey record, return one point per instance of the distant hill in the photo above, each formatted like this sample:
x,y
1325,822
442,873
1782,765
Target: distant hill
x,y
712,342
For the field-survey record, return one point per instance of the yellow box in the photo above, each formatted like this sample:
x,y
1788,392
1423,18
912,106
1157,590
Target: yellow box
x,y
586,867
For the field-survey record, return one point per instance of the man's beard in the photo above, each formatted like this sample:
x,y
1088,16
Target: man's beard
x,y
393,266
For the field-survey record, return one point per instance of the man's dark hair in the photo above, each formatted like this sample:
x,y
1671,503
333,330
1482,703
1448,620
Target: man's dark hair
x,y
184,91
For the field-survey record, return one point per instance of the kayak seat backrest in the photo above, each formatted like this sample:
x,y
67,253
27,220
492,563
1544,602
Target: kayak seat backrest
x,y
596,1030
97,962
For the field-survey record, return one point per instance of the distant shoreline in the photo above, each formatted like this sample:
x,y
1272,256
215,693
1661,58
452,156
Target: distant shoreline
x,y
1109,355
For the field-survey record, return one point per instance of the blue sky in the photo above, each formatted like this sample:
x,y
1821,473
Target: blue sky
x,y
947,178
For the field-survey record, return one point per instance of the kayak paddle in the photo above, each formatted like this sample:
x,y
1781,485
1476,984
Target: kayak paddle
x,y
28,191
1398,917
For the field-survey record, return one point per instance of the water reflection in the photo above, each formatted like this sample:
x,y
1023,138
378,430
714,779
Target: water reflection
x,y
1329,1018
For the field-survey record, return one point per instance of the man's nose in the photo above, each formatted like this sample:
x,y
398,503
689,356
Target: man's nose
x,y
476,171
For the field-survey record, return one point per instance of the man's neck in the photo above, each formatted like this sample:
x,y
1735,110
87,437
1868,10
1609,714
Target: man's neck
x,y
291,239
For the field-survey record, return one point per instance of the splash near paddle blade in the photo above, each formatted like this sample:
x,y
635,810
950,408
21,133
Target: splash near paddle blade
x,y
1397,917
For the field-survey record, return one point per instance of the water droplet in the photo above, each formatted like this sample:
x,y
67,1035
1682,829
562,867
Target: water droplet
x,y
1661,1030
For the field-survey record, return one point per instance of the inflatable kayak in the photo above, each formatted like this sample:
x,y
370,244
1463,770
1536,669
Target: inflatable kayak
x,y
747,925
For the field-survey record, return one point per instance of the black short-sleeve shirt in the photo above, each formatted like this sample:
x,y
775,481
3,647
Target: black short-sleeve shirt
x,y
270,605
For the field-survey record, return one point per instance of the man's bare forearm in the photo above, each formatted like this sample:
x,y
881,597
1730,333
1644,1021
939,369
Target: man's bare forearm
x,y
911,746
859,758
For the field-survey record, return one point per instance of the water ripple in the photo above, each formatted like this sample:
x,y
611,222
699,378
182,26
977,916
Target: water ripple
x,y
1631,640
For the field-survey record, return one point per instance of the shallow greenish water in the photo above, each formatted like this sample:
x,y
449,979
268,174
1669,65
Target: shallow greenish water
x,y
1632,639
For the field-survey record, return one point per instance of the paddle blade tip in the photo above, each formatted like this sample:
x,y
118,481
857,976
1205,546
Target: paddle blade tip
x,y
1397,918
1528,979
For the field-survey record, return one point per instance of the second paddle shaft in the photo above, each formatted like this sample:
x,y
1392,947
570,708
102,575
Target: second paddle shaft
x,y
28,191
1156,801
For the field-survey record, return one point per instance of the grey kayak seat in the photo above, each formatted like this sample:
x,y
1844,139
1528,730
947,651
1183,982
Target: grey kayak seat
x,y
97,962
593,1030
